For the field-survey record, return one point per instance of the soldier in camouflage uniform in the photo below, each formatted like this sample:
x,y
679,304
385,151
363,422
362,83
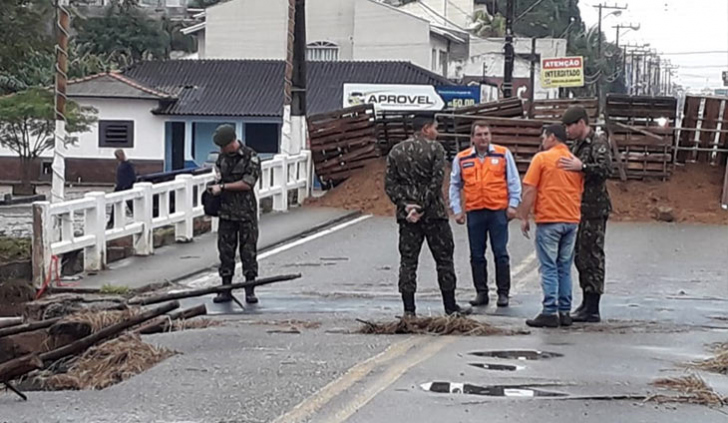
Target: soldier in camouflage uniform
x,y
238,167
415,172
592,157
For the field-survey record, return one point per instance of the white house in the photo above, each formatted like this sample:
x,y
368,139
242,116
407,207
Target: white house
x,y
358,30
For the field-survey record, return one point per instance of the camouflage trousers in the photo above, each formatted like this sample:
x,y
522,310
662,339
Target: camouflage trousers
x,y
590,258
231,235
440,241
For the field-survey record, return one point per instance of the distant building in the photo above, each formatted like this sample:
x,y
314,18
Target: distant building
x,y
336,30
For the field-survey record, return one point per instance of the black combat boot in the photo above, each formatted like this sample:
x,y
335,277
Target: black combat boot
x,y
250,297
544,321
226,296
451,307
583,303
590,312
480,280
503,282
565,319
408,299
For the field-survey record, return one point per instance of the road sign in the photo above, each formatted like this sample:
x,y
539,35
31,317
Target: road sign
x,y
725,78
560,72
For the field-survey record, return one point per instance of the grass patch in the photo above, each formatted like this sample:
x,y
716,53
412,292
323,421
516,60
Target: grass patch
x,y
692,389
114,290
14,249
108,364
446,325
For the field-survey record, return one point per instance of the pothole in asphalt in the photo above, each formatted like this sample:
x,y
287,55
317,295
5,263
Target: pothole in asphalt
x,y
497,367
518,391
517,354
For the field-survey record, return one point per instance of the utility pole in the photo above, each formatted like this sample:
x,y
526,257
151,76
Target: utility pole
x,y
532,89
59,157
293,131
601,8
509,51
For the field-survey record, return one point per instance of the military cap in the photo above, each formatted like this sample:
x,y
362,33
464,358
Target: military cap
x,y
574,114
224,135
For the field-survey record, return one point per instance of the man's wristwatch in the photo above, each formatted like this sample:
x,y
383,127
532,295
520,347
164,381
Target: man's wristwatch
x,y
222,186
583,167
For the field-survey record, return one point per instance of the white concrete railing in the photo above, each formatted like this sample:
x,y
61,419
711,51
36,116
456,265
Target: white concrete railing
x,y
54,230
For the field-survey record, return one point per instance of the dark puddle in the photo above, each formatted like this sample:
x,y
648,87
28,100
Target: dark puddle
x,y
517,354
496,367
517,391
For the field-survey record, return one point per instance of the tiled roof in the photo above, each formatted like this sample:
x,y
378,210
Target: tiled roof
x,y
255,87
112,84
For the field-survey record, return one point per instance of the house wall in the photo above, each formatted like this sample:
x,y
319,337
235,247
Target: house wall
x,y
362,29
249,29
385,33
86,162
457,13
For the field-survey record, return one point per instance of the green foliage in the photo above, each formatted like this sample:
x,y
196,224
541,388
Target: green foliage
x,y
488,26
27,122
123,32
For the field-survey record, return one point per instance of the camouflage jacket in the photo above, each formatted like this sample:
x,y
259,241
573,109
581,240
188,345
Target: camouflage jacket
x,y
243,165
596,155
415,171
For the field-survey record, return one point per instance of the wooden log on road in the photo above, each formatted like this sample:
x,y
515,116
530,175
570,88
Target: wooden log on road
x,y
22,365
212,290
19,366
164,323
28,327
107,332
10,321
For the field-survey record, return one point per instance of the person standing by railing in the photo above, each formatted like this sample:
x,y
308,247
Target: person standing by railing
x,y
125,179
238,167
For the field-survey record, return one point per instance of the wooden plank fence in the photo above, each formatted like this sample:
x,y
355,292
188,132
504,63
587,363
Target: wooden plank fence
x,y
342,142
641,130
553,109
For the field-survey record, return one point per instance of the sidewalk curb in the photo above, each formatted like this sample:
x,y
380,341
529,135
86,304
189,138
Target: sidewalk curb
x,y
345,218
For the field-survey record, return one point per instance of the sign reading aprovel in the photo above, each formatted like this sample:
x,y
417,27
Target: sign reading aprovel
x,y
393,97
559,72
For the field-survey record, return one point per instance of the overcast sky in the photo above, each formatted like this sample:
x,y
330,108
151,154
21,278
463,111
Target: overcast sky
x,y
674,26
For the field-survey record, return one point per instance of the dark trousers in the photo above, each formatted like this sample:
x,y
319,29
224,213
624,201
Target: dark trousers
x,y
482,223
590,257
110,223
233,235
439,238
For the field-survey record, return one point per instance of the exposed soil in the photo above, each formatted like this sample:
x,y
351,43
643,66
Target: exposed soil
x,y
691,195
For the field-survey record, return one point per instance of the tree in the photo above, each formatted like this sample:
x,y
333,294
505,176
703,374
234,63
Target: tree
x,y
125,34
27,124
26,39
488,26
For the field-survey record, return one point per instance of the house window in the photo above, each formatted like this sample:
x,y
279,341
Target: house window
x,y
116,133
322,51
262,137
434,60
443,63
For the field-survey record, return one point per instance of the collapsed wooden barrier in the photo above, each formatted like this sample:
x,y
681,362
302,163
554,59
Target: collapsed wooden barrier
x,y
22,365
342,142
154,299
28,327
165,323
10,321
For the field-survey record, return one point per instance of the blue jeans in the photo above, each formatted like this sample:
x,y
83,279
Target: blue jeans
x,y
555,249
482,223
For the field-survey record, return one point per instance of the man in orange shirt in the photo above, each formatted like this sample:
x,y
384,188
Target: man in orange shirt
x,y
555,196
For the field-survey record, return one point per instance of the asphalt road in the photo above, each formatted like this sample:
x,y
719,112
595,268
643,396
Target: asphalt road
x,y
668,290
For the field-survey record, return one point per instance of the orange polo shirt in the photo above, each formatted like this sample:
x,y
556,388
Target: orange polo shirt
x,y
558,198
